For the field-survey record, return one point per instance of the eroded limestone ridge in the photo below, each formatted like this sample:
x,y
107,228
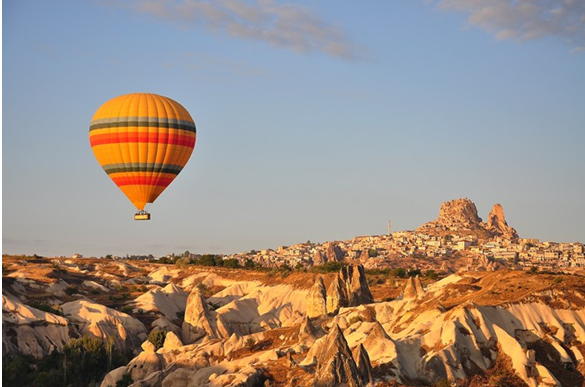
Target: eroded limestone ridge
x,y
335,363
317,299
349,288
460,215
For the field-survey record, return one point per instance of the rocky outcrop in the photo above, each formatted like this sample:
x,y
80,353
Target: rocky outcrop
x,y
179,377
318,259
349,288
307,332
317,299
30,331
333,252
335,363
145,364
168,301
364,366
458,212
413,289
418,286
336,297
200,321
113,377
364,256
330,253
446,268
380,347
460,216
409,292
496,223
172,341
100,321
197,323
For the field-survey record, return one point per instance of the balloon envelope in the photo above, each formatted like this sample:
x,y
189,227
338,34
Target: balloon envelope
x,y
142,141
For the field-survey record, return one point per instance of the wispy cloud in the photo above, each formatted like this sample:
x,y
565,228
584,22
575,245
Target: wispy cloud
x,y
288,26
525,19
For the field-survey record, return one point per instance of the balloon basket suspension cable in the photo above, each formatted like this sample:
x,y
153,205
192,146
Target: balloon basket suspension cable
x,y
142,215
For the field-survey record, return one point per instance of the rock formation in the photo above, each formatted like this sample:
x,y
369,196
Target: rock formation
x,y
364,366
146,363
349,288
307,332
469,328
380,346
335,363
172,341
318,259
31,331
497,224
100,321
113,376
460,216
169,301
317,299
333,253
413,289
409,292
364,256
459,212
446,268
418,286
197,323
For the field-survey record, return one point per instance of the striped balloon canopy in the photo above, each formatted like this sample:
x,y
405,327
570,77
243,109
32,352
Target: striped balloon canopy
x,y
142,141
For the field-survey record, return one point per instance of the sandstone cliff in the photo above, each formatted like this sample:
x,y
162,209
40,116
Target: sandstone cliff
x,y
317,299
349,288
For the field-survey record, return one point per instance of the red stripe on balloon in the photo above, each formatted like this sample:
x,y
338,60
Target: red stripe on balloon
x,y
142,180
160,138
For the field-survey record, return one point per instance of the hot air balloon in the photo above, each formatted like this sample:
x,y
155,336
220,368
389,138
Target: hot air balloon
x,y
142,141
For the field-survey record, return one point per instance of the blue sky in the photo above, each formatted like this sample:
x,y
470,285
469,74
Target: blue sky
x,y
316,120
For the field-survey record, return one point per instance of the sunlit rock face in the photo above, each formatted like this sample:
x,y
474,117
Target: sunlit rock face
x,y
349,288
335,363
317,299
496,223
29,331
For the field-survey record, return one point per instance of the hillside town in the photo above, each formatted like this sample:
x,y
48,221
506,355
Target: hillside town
x,y
425,251
458,240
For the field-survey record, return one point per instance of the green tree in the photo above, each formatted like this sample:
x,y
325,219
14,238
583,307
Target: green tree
x,y
125,381
157,337
86,360
231,263
399,272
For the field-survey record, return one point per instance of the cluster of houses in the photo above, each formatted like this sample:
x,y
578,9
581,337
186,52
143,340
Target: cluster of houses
x,y
416,249
380,251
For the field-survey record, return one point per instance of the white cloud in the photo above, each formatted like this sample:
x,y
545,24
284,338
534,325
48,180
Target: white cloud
x,y
288,26
526,19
